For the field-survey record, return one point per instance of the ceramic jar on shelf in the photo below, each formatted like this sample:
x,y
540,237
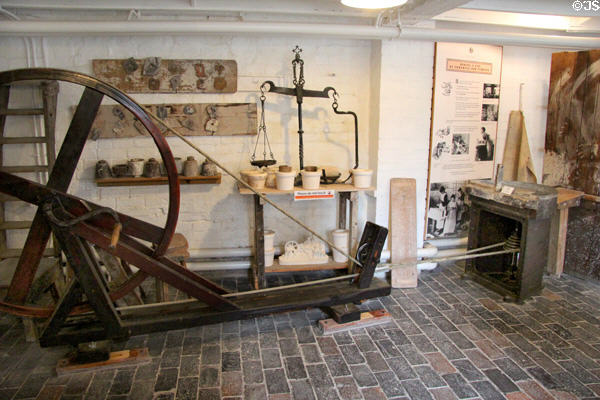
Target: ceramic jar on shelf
x,y
269,247
190,167
311,177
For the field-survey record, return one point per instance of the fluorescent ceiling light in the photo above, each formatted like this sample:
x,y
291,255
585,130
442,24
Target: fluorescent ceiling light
x,y
522,20
372,4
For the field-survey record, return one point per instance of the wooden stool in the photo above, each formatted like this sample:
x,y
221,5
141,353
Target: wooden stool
x,y
177,251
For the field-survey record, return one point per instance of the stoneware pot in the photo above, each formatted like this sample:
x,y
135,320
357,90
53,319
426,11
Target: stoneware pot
x,y
361,178
178,165
136,167
269,238
271,176
151,168
310,179
269,257
103,170
190,167
285,168
245,172
285,180
340,240
209,168
120,170
257,179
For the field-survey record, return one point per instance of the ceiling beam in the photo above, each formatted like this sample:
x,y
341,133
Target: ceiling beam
x,y
416,11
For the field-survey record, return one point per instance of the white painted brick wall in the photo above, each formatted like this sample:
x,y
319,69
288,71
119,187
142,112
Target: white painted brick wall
x,y
388,84
217,216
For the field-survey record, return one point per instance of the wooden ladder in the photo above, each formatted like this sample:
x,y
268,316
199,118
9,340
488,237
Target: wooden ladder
x,y
49,94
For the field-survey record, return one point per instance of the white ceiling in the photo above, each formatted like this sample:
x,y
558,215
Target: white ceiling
x,y
514,17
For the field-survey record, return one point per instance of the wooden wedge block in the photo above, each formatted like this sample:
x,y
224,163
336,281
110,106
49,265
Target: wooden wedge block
x,y
369,318
117,359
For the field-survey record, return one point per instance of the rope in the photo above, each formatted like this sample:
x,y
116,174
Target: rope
x,y
380,268
241,182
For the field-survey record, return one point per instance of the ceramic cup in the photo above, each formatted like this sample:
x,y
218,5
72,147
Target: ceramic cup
x,y
257,179
136,166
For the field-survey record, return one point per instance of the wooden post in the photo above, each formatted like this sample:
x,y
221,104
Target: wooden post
x,y
259,244
403,224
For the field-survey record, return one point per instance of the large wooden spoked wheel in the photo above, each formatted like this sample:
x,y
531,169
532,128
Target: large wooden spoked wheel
x,y
66,161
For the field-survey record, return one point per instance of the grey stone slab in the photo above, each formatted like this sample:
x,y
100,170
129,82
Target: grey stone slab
x,y
401,368
469,371
250,351
347,388
271,358
387,348
363,375
511,369
502,381
487,390
351,354
319,375
294,367
276,381
390,384
450,350
376,362
209,377
429,377
252,371
255,392
187,388
302,390
311,354
231,361
165,381
412,354
337,365
459,386
210,354
305,335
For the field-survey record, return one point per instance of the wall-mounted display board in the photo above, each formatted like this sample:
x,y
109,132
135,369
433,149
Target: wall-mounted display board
x,y
155,75
466,94
192,119
572,155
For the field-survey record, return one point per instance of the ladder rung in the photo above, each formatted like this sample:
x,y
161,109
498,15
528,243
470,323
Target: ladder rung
x,y
22,111
20,140
14,253
25,168
6,225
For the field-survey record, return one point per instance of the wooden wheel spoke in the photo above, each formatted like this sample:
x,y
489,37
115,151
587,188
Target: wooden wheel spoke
x,y
59,179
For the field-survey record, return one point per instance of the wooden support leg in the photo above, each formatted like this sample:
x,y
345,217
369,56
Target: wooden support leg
x,y
259,244
353,226
558,242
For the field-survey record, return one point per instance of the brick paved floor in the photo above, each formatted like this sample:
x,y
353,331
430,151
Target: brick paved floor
x,y
449,339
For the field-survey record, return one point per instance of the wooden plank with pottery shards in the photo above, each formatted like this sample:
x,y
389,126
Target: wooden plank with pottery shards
x,y
156,75
192,119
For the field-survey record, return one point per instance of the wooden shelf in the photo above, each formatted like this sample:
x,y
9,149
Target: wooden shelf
x,y
159,180
276,267
338,187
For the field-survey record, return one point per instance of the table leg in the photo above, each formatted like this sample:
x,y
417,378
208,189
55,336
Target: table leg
x,y
258,271
353,227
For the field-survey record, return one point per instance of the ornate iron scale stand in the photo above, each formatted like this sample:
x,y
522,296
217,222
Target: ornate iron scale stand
x,y
300,93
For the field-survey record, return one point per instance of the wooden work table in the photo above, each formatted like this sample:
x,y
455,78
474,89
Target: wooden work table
x,y
346,194
566,199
